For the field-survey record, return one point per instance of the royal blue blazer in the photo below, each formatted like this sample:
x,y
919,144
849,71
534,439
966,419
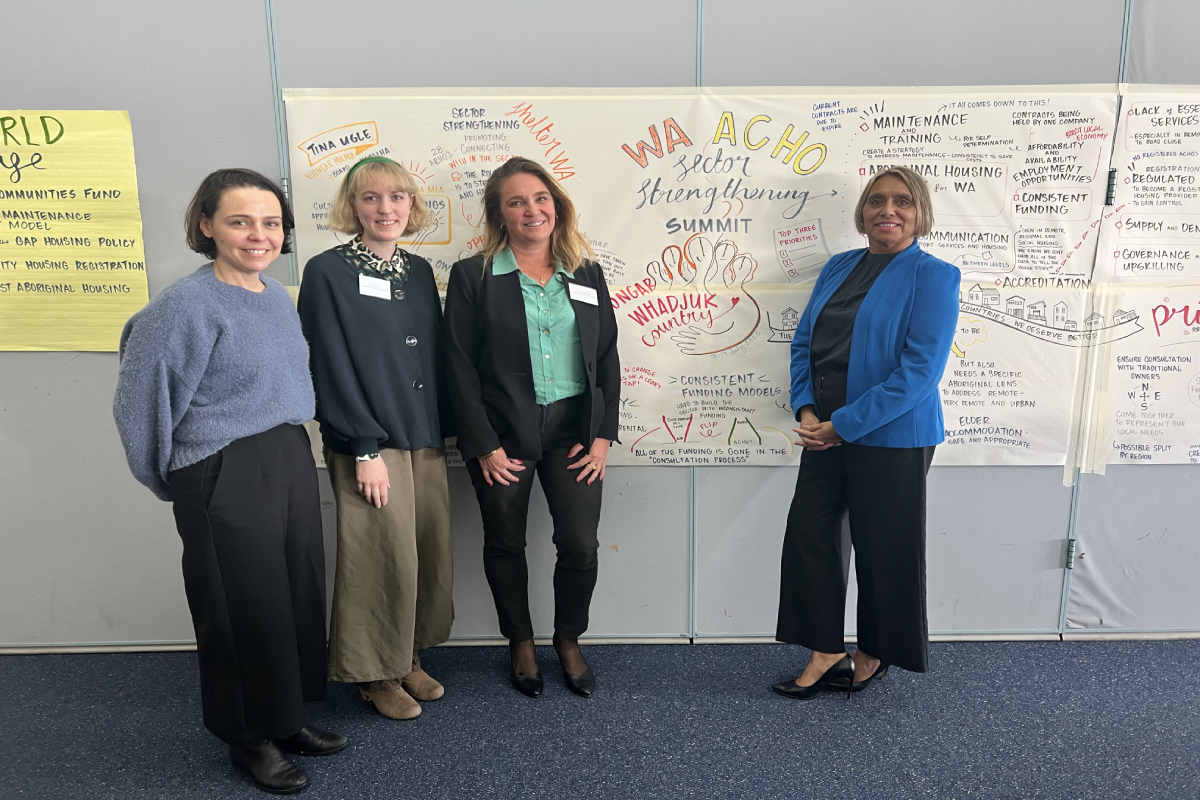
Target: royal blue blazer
x,y
900,345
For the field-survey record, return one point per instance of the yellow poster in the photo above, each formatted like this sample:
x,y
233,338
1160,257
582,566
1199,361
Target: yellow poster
x,y
72,265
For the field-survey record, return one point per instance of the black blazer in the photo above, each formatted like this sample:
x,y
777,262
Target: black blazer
x,y
491,375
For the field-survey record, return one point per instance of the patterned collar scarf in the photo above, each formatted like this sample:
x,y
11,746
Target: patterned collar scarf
x,y
359,256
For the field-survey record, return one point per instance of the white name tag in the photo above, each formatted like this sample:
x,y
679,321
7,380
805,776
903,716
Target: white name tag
x,y
375,287
584,294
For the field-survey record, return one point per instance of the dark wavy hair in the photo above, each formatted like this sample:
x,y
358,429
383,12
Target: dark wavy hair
x,y
208,197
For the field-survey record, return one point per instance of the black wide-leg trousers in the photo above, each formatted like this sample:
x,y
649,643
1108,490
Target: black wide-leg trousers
x,y
575,509
254,572
883,488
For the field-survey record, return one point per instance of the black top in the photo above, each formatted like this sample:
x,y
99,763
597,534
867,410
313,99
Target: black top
x,y
378,366
491,374
830,348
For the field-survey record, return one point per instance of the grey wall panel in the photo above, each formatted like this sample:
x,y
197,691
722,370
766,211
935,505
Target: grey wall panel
x,y
919,42
1162,42
642,588
89,555
740,516
1138,559
481,43
995,548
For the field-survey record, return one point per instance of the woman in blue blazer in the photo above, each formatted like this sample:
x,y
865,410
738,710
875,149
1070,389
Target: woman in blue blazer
x,y
866,361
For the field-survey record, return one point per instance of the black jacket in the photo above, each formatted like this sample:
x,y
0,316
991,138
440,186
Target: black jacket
x,y
378,366
491,376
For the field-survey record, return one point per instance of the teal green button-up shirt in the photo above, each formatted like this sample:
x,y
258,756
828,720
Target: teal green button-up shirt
x,y
554,348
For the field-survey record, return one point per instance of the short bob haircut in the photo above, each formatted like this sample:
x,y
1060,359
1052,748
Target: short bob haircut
x,y
344,219
208,198
568,247
916,187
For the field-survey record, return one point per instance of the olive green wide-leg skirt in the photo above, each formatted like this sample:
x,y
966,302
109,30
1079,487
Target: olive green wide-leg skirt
x,y
394,579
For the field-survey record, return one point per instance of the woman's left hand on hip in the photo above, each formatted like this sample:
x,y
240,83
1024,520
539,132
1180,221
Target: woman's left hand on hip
x,y
591,466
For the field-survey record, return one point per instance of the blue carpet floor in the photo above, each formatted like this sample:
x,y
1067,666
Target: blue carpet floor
x,y
1002,721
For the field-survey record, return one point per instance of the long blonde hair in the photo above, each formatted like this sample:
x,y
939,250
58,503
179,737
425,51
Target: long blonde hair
x,y
568,246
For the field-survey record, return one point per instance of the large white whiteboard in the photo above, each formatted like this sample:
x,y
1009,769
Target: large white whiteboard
x,y
713,212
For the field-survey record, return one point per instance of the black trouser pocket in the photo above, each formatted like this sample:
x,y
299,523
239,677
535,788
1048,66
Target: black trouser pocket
x,y
197,482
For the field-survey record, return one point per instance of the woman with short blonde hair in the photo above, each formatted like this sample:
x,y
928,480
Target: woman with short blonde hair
x,y
343,217
373,319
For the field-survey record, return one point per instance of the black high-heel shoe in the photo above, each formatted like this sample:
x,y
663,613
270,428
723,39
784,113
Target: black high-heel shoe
x,y
528,685
582,685
879,674
844,668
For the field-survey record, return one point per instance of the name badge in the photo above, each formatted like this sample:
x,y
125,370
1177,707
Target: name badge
x,y
376,287
584,294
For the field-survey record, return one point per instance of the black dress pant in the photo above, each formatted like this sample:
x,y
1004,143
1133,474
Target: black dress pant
x,y
575,509
883,489
254,572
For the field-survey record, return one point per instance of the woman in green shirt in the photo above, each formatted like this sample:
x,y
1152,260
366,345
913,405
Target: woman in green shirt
x,y
535,384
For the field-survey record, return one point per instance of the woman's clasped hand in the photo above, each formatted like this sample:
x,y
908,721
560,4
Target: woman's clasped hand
x,y
814,434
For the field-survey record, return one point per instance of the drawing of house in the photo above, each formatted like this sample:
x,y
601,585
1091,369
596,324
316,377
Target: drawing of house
x,y
790,319
991,298
1120,316
1037,312
1016,306
975,295
1070,325
1094,321
1060,314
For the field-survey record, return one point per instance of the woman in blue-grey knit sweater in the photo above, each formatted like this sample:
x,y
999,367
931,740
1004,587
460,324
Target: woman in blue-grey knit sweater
x,y
213,389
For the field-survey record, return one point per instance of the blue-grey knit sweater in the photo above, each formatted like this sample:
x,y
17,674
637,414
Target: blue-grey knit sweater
x,y
203,364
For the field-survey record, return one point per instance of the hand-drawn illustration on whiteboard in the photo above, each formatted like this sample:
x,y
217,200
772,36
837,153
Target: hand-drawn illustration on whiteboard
x,y
1153,378
1052,324
1155,233
697,312
1016,182
712,215
1011,381
801,250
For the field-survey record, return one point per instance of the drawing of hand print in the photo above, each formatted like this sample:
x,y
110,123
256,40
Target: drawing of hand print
x,y
673,270
726,273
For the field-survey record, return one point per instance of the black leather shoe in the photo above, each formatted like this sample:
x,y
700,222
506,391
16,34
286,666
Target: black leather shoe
x,y
844,668
528,685
312,741
268,766
581,685
840,684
